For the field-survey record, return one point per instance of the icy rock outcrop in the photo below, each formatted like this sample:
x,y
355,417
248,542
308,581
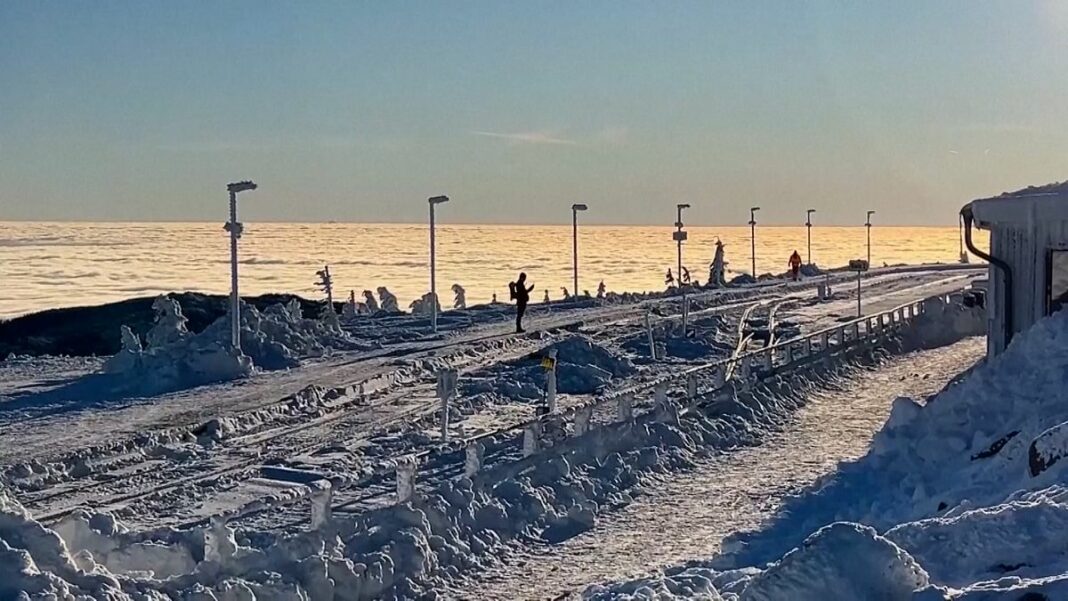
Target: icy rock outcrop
x,y
460,301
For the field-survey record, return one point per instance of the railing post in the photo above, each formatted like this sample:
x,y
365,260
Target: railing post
x,y
841,337
691,387
472,459
869,330
807,347
531,433
583,415
649,333
825,342
789,353
322,497
625,407
719,378
856,332
406,473
769,359
743,367
662,406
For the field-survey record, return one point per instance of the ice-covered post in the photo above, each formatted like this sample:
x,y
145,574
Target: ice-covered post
x,y
752,233
575,208
719,376
531,433
691,387
406,469
434,201
472,459
322,495
583,416
446,388
769,359
625,407
825,342
216,539
649,333
549,363
235,228
807,346
685,313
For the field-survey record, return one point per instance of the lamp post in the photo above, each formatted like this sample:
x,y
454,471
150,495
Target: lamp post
x,y
679,237
867,224
235,228
575,208
808,224
752,235
434,201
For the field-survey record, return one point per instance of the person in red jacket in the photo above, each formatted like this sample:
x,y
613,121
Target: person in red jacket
x,y
795,265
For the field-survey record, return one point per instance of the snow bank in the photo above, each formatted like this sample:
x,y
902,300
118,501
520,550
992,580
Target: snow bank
x,y
582,367
967,488
277,338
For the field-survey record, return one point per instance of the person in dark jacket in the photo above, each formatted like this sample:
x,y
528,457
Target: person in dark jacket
x,y
521,294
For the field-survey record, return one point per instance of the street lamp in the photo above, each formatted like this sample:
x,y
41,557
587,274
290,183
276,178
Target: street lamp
x,y
867,224
679,237
808,224
752,234
235,228
434,201
575,208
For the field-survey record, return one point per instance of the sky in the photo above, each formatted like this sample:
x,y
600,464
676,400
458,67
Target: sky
x,y
359,111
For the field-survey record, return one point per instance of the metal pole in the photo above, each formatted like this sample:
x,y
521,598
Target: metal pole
x,y
859,312
808,224
868,225
752,234
433,275
574,245
678,225
235,299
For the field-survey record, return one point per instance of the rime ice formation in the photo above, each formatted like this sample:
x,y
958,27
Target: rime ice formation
x,y
351,308
717,273
170,323
370,302
388,300
425,305
461,297
601,289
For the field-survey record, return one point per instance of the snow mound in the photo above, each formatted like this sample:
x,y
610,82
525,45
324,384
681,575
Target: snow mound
x,y
175,359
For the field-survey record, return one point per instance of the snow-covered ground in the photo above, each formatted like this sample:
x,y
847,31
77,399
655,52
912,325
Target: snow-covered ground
x,y
683,517
181,458
960,497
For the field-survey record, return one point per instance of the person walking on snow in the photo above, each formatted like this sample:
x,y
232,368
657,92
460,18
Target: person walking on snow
x,y
521,294
795,265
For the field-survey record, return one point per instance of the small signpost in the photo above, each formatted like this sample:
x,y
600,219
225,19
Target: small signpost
x,y
446,389
859,266
548,362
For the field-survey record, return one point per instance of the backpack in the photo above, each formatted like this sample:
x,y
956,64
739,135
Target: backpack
x,y
511,290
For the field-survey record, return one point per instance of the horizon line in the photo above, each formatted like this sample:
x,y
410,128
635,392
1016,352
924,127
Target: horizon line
x,y
464,223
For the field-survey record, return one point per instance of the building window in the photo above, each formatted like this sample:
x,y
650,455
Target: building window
x,y
1057,281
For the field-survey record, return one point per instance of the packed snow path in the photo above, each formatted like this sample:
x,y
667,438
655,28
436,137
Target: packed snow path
x,y
686,516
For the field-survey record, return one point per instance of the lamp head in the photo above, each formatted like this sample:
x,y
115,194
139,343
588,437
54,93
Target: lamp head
x,y
240,186
579,207
811,211
436,200
683,205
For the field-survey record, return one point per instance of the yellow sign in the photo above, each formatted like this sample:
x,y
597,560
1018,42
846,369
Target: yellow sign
x,y
548,362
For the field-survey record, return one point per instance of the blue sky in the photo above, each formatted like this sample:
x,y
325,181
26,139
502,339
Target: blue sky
x,y
357,111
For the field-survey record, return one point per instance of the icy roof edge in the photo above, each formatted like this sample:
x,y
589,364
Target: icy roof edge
x,y
1034,205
